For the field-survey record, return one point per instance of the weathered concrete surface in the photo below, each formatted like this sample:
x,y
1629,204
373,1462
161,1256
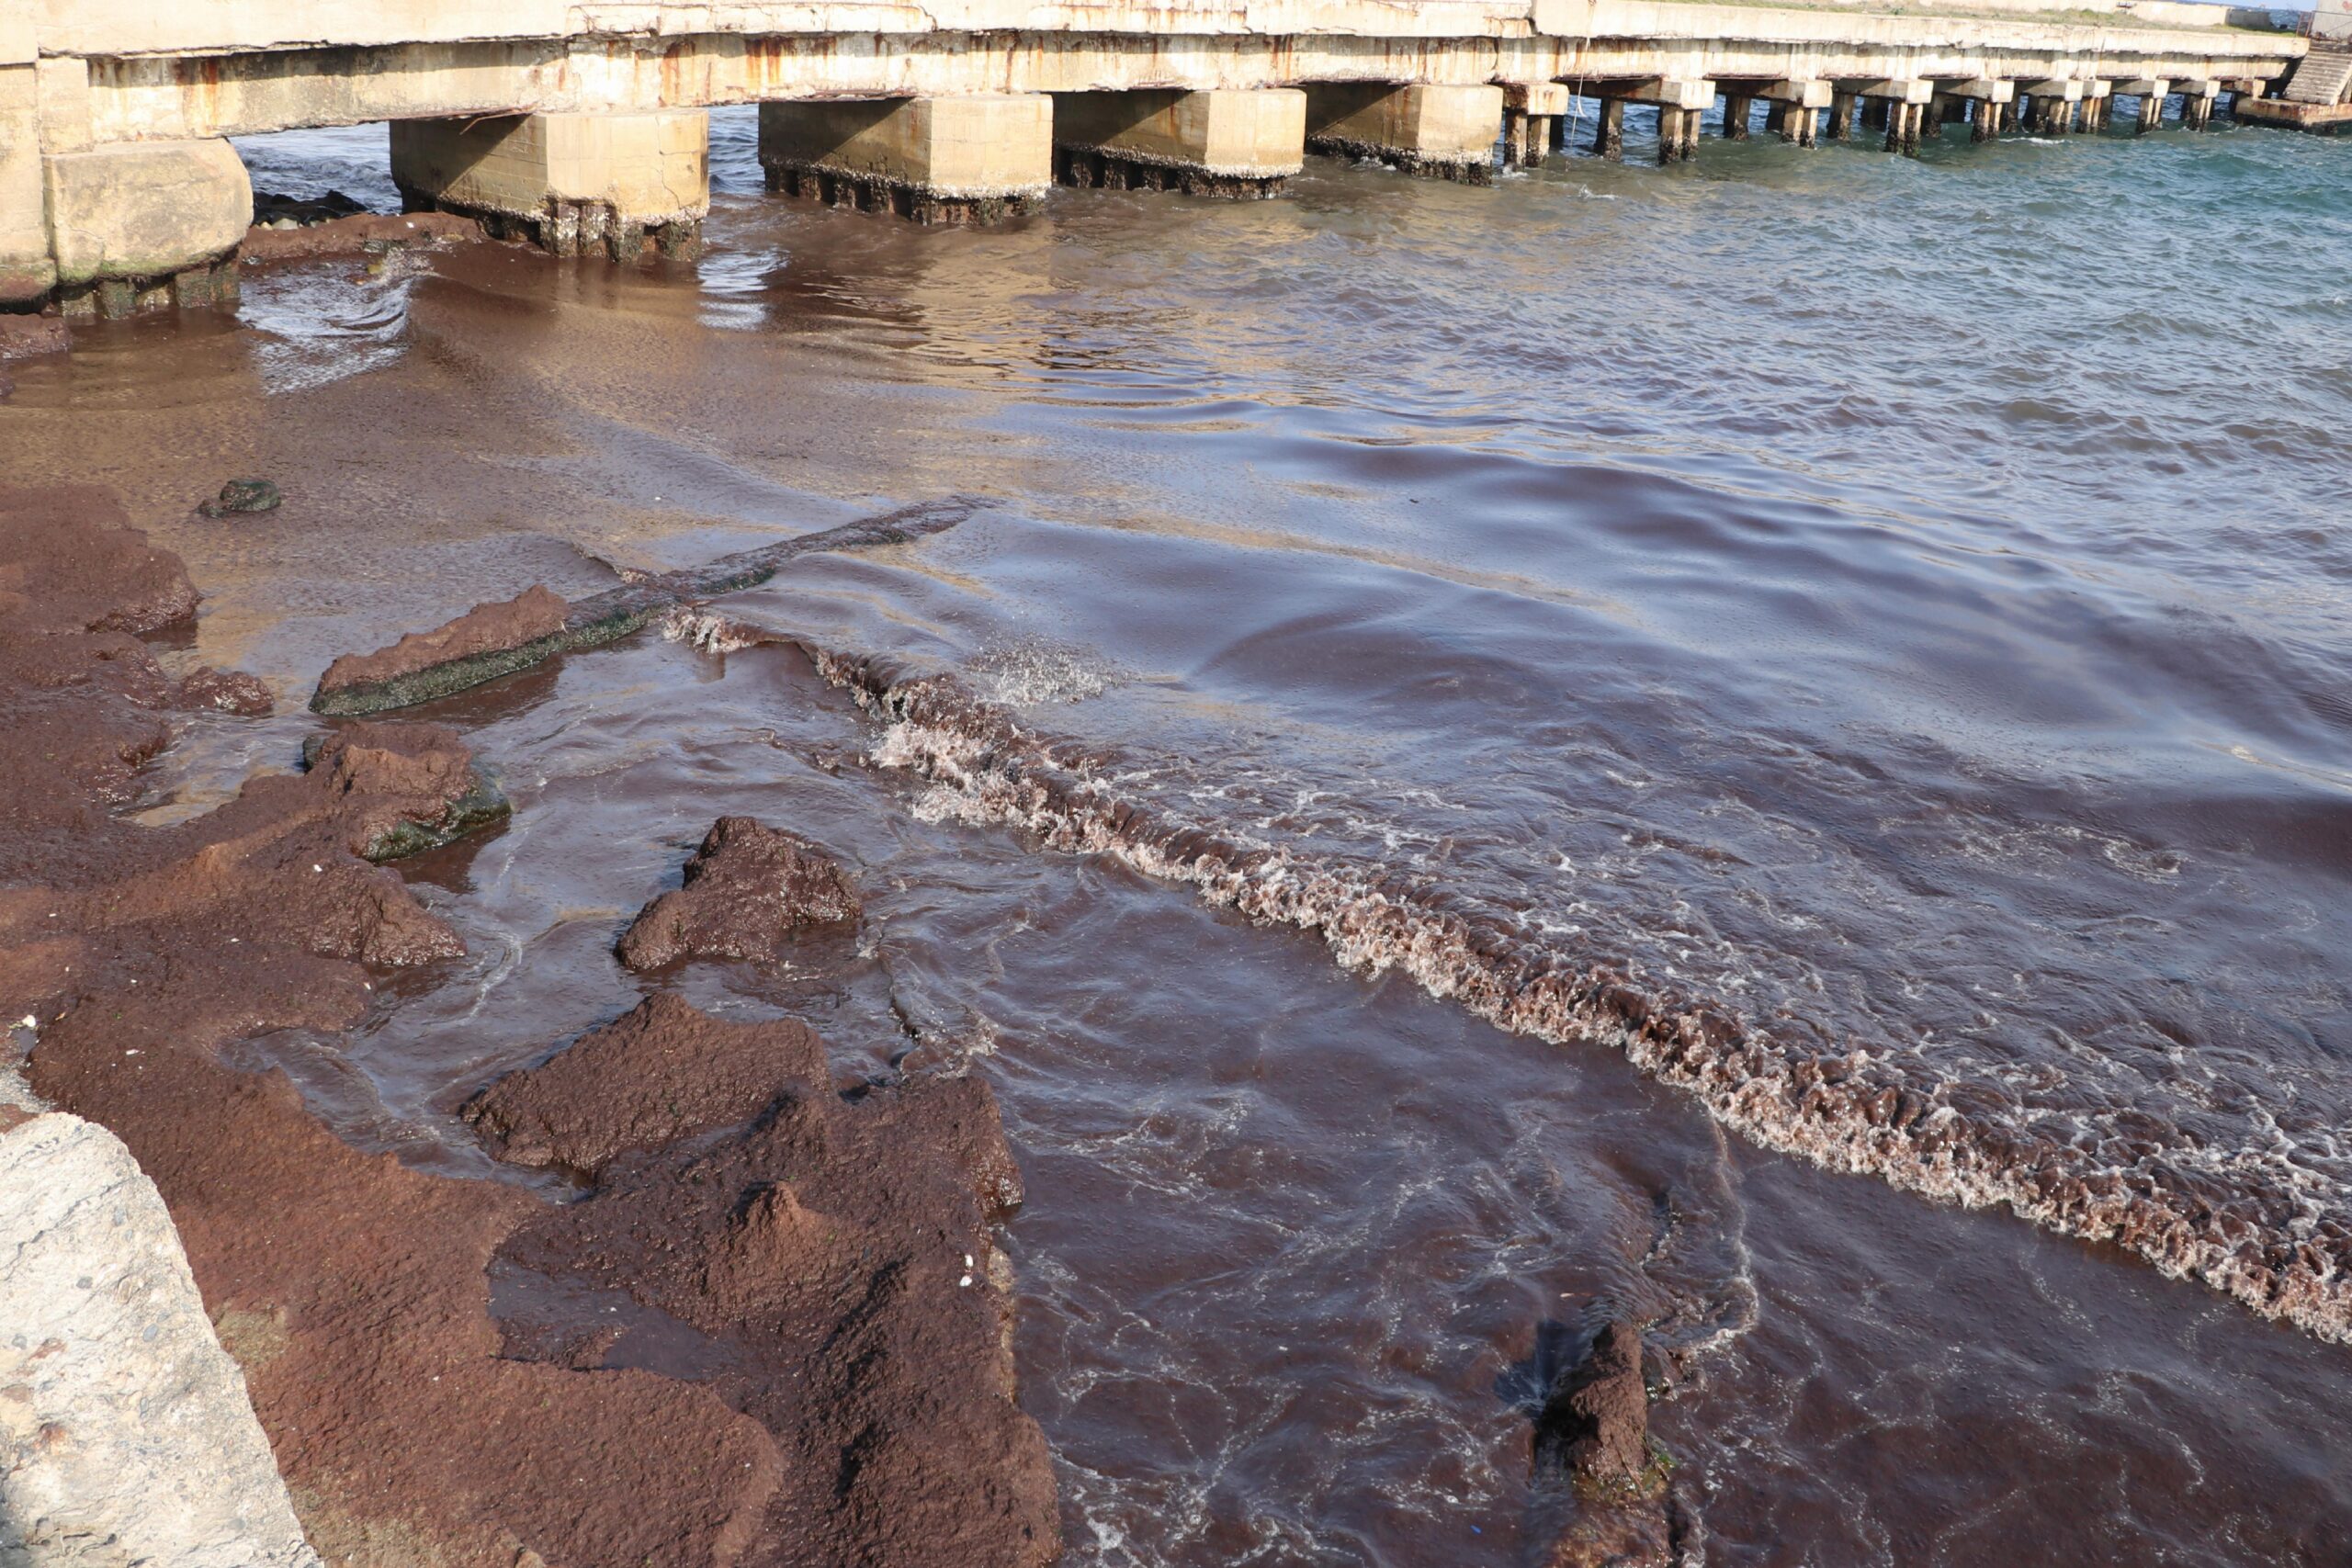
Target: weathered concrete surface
x,y
126,1438
270,64
962,158
600,183
1445,131
1251,136
143,225
26,271
120,27
145,210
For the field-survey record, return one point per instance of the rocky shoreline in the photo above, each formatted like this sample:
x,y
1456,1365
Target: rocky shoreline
x,y
830,1250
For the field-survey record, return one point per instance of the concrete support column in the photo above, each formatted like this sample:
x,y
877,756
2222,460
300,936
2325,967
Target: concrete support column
x,y
1536,107
1608,131
27,272
1437,131
968,159
1226,144
2151,92
1776,121
573,184
1841,116
1795,106
1738,109
1678,134
141,225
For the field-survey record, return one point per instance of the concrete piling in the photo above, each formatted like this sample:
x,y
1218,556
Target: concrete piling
x,y
142,226
976,158
573,184
1228,143
1608,131
1841,116
1434,130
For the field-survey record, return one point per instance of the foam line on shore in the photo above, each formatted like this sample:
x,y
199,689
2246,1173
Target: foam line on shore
x,y
2267,1249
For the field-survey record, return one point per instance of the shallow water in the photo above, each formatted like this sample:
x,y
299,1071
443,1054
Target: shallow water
x,y
1898,606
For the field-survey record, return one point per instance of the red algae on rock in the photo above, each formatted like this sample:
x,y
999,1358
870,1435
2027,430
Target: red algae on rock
x,y
354,1290
843,1249
748,890
533,616
659,1074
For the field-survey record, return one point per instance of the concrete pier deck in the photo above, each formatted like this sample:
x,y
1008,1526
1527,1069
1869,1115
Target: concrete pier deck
x,y
111,110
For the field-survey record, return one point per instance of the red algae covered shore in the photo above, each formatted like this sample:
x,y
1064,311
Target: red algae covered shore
x,y
819,1245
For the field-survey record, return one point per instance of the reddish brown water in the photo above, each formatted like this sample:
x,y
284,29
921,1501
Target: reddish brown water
x,y
1683,576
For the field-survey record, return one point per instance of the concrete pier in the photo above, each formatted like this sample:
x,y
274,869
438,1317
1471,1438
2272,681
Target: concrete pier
x,y
1228,143
972,159
2152,93
579,126
139,225
604,184
1799,104
1532,113
1437,131
1900,109
1608,131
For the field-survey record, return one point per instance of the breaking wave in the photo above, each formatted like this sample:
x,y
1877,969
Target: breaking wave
x,y
2223,1221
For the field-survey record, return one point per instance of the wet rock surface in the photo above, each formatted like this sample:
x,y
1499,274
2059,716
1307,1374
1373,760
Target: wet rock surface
x,y
354,1290
1594,1431
532,617
26,337
661,1073
749,890
1596,1425
242,496
357,235
843,1250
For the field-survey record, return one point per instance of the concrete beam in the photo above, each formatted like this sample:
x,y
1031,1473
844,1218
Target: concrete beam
x,y
1444,132
1537,98
1806,94
1983,90
1670,93
2141,87
146,224
1217,144
1893,90
793,57
2068,91
969,159
575,183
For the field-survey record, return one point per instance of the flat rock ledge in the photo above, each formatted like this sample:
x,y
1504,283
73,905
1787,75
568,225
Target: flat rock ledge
x,y
126,1436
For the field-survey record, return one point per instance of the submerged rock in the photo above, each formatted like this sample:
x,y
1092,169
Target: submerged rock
x,y
1594,1428
357,234
1596,1423
419,666
242,495
416,786
748,890
663,1072
27,338
230,690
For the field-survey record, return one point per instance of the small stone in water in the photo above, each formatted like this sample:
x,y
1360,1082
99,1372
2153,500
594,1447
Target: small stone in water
x,y
242,495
